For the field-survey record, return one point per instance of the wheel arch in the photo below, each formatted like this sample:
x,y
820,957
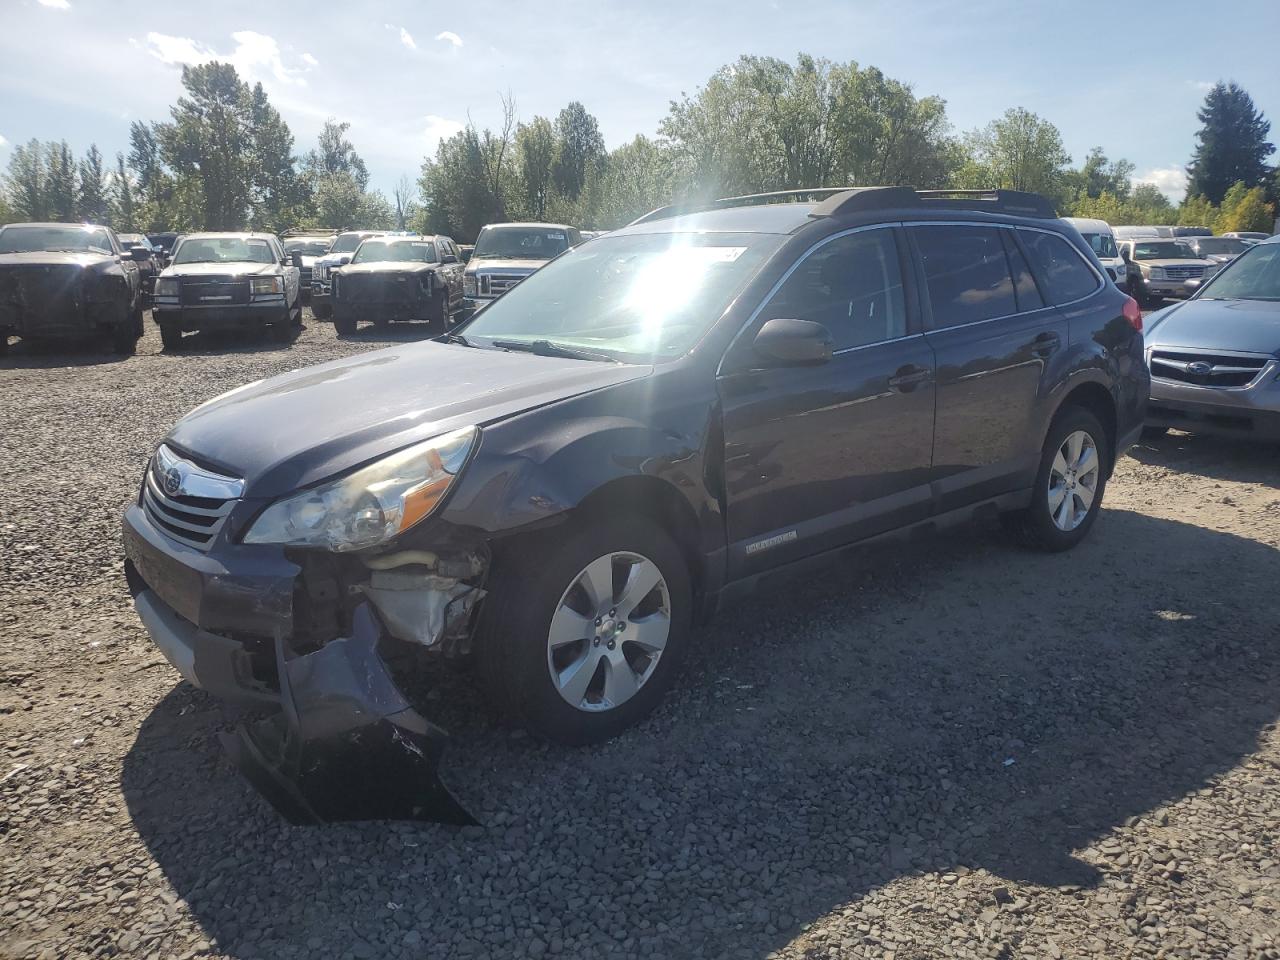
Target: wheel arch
x,y
1097,399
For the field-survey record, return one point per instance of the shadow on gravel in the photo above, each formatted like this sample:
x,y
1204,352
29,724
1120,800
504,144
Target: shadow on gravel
x,y
1219,458
36,354
955,703
219,342
400,332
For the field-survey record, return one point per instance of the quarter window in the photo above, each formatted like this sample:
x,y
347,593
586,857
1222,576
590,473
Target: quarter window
x,y
852,285
967,273
1063,272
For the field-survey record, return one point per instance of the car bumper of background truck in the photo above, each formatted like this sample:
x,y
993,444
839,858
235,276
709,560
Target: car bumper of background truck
x,y
341,742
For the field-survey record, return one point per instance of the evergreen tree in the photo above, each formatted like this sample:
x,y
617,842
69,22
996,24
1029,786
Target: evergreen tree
x,y
1231,146
92,203
62,188
579,149
28,182
124,215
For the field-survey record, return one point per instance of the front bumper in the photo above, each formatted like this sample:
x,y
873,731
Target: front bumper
x,y
58,321
377,312
342,742
1251,413
1170,289
190,319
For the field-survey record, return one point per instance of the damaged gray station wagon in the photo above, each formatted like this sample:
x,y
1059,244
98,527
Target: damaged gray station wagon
x,y
569,482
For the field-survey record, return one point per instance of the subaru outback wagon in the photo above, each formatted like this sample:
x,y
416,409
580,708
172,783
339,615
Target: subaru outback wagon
x,y
569,482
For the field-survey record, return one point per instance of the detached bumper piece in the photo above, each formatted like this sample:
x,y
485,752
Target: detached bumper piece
x,y
346,744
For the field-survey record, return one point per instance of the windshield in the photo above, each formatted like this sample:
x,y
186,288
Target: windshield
x,y
1254,275
399,251
647,296
1163,250
346,243
306,247
520,243
1104,245
223,250
1221,245
32,238
133,240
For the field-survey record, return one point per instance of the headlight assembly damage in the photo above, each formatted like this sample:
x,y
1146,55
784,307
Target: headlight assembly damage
x,y
345,743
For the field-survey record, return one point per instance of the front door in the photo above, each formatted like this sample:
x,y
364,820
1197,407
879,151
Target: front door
x,y
817,456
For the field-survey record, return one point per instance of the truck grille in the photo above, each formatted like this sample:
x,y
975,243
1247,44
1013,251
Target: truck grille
x,y
190,519
377,288
1207,369
1184,273
214,292
45,287
496,284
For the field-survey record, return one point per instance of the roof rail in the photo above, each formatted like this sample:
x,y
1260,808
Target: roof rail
x,y
843,201
310,232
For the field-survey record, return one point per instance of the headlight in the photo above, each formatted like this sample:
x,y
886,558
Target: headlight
x,y
1155,273
469,286
166,287
371,505
260,286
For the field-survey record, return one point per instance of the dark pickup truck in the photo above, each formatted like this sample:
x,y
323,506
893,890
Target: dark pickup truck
x,y
219,281
65,281
399,278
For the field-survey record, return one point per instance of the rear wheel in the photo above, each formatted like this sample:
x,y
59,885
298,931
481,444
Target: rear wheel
x,y
344,324
1069,485
581,636
124,338
171,335
321,311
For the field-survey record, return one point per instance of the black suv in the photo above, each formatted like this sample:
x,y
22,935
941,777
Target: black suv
x,y
569,482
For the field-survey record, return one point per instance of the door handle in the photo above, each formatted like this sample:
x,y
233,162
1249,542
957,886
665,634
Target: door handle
x,y
906,378
1045,344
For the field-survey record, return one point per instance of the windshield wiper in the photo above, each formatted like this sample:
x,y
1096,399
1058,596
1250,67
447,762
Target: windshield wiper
x,y
546,348
458,339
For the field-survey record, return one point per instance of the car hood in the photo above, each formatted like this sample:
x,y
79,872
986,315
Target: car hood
x,y
487,265
334,259
48,258
308,260
1251,326
246,268
386,266
1176,262
302,427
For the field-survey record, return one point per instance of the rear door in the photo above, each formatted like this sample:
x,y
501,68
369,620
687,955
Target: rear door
x,y
451,271
994,336
817,456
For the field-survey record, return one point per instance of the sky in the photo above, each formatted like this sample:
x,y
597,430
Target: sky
x,y
406,73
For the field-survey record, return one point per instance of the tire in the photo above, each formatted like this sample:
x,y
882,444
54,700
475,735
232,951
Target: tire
x,y
1037,526
541,585
139,324
124,338
345,325
4,344
1154,433
282,330
322,311
171,336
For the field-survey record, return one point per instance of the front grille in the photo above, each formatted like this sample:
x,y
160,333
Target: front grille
x,y
1184,273
214,292
190,519
45,287
1207,369
496,284
377,288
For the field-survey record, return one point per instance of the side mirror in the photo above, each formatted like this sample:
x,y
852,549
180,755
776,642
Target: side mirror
x,y
788,342
139,253
295,258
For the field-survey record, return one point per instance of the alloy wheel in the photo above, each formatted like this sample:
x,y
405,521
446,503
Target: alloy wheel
x,y
608,632
1073,480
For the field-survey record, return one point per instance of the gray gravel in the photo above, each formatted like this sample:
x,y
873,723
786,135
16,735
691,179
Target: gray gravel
x,y
953,749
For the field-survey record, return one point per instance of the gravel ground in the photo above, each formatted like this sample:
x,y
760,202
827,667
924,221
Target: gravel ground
x,y
956,748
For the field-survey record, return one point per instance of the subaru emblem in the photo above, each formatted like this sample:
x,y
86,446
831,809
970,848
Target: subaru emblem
x,y
173,481
1200,368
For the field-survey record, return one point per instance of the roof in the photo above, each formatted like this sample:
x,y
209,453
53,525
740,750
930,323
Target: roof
x,y
763,218
229,235
1093,222
82,226
536,226
404,238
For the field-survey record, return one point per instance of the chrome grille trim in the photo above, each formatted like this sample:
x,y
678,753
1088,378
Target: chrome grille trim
x,y
194,515
1225,371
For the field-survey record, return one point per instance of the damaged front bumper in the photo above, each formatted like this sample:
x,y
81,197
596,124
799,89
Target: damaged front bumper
x,y
341,741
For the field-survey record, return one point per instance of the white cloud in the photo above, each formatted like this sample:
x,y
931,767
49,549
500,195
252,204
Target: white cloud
x,y
437,129
309,60
450,36
56,4
407,39
1171,181
1204,85
3,141
255,56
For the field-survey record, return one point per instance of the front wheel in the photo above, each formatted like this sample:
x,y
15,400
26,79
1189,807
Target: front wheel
x,y
124,338
321,311
1069,484
581,636
171,336
344,324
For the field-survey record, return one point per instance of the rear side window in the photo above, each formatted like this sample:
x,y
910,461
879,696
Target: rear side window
x,y
967,273
852,285
1063,272
1024,285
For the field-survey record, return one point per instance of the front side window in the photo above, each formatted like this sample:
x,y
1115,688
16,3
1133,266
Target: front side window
x,y
967,273
346,243
852,285
1062,270
1228,246
308,248
520,243
224,250
31,238
648,296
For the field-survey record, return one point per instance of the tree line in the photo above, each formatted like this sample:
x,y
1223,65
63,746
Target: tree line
x,y
225,159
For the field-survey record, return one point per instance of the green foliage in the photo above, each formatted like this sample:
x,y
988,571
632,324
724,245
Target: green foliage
x,y
92,204
1245,208
1232,145
124,204
1197,212
579,149
536,155
1099,175
27,182
335,154
61,187
1019,151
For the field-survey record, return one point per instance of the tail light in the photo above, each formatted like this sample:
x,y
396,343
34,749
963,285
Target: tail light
x,y
1133,313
